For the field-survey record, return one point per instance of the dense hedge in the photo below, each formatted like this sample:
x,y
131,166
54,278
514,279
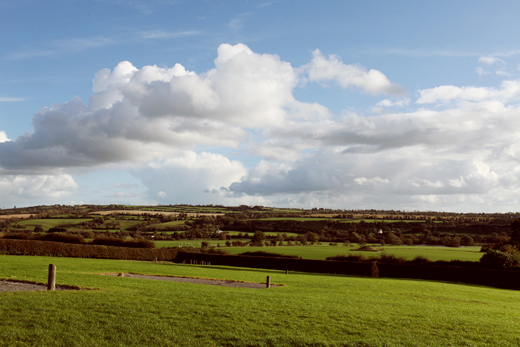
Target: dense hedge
x,y
59,249
440,271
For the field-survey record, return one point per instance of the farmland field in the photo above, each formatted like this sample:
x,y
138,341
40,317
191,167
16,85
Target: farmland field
x,y
310,310
323,251
409,252
46,224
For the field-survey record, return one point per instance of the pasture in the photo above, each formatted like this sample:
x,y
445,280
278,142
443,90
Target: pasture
x,y
46,223
409,252
310,310
323,251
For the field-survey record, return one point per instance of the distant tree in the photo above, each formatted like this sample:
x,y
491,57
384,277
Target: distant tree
x,y
204,244
354,237
38,229
393,239
515,230
258,238
312,238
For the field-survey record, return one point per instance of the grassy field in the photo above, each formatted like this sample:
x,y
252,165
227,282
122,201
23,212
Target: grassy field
x,y
189,243
310,310
342,220
323,251
269,233
409,252
46,224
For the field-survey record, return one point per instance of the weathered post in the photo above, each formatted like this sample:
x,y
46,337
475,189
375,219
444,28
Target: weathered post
x,y
374,271
191,261
268,282
286,272
51,283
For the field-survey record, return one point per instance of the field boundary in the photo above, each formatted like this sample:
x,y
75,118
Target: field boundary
x,y
508,279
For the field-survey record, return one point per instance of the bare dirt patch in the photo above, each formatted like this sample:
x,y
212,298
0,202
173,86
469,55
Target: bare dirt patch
x,y
207,281
15,286
166,213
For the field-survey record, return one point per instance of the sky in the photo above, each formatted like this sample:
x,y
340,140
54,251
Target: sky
x,y
399,105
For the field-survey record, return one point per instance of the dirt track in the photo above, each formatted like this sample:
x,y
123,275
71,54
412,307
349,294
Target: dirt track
x,y
224,283
13,286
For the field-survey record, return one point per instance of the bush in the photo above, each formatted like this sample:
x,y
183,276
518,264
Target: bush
x,y
60,237
388,258
57,230
267,254
111,241
501,259
350,257
420,260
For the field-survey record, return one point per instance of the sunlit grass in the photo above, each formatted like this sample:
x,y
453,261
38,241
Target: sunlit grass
x,y
311,310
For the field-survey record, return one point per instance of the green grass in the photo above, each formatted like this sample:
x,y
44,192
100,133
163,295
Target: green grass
x,y
46,224
188,243
409,252
269,233
311,310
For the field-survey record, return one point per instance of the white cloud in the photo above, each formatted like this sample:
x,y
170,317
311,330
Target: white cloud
x,y
171,126
38,187
322,69
3,137
374,181
489,60
509,90
6,99
393,103
190,177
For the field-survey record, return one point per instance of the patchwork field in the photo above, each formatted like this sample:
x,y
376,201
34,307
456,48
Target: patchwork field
x,y
310,310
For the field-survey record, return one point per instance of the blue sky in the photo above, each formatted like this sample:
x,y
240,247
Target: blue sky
x,y
352,104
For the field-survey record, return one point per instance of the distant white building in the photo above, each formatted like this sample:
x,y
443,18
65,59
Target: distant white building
x,y
380,231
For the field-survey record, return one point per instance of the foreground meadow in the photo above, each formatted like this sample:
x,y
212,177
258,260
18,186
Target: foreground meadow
x,y
310,310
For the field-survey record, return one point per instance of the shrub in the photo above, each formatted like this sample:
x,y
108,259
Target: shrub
x,y
267,254
389,258
60,237
16,236
110,241
420,259
57,230
350,257
501,259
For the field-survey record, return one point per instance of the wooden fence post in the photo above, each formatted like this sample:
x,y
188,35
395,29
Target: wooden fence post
x,y
268,283
51,283
374,271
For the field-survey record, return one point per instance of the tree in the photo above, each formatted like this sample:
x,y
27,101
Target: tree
x,y
515,230
258,238
312,237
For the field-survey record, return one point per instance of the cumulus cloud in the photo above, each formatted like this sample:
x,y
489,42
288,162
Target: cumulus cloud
x,y
322,69
190,177
36,187
171,126
509,90
3,137
489,60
